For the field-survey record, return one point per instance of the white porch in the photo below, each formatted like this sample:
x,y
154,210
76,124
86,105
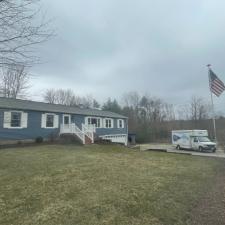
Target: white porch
x,y
85,131
116,138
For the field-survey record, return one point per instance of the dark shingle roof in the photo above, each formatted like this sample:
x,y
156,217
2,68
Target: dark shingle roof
x,y
10,103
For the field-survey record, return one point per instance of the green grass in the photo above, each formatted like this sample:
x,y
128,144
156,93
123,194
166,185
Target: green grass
x,y
94,185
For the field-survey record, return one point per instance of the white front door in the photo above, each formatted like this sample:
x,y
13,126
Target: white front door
x,y
66,121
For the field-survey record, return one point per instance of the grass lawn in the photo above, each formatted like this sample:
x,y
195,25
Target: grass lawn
x,y
95,185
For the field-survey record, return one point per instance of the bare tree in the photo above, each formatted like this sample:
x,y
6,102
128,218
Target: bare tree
x,y
199,109
131,99
50,96
21,30
68,97
87,101
64,97
59,96
14,81
182,112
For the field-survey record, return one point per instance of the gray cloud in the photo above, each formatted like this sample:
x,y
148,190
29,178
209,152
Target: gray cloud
x,y
108,47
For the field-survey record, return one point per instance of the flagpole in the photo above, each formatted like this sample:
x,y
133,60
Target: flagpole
x,y
213,109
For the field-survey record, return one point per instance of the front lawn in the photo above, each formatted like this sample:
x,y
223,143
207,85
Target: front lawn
x,y
95,185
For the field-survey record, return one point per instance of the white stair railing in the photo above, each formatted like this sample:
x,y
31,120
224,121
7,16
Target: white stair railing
x,y
76,130
72,129
89,131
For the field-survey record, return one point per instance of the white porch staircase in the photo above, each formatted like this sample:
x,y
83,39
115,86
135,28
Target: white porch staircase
x,y
86,134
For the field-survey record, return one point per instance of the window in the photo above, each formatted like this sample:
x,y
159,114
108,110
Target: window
x,y
15,119
49,120
94,121
204,139
195,139
120,123
108,123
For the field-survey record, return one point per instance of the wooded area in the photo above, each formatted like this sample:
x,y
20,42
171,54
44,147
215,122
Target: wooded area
x,y
153,119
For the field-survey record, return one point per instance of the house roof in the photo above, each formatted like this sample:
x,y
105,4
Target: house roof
x,y
19,104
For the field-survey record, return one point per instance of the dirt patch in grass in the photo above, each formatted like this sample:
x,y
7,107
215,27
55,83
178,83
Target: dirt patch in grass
x,y
211,208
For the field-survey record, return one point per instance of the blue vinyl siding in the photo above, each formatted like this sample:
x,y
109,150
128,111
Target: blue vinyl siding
x,y
78,120
34,129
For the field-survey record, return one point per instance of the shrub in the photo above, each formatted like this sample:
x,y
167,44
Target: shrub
x,y
39,139
19,142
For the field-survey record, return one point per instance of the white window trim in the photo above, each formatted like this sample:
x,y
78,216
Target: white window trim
x,y
44,120
93,117
112,123
118,123
23,115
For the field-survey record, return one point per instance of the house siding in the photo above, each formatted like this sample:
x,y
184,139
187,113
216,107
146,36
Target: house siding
x,y
114,130
34,129
78,120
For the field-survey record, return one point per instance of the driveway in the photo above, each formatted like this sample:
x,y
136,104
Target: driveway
x,y
170,149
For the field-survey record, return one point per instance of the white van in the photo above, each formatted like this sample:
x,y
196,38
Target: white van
x,y
192,139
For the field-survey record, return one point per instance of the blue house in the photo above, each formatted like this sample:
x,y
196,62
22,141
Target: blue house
x,y
27,120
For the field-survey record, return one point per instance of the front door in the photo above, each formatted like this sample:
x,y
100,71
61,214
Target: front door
x,y
66,121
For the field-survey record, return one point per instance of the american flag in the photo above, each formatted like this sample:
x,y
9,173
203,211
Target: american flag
x,y
216,85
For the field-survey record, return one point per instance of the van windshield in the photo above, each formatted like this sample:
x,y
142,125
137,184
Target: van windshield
x,y
203,139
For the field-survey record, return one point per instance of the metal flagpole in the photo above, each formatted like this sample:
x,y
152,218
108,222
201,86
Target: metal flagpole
x,y
213,110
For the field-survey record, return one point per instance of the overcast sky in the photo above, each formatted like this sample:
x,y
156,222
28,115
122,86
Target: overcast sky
x,y
108,47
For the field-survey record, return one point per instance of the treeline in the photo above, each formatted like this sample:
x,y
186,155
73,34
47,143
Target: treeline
x,y
151,118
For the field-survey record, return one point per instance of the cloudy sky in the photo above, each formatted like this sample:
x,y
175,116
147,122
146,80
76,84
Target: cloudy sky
x,y
108,47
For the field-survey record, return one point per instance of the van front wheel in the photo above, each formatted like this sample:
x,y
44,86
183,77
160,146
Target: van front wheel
x,y
178,147
200,149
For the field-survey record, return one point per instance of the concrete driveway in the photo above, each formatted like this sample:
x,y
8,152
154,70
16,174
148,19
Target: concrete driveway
x,y
170,149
